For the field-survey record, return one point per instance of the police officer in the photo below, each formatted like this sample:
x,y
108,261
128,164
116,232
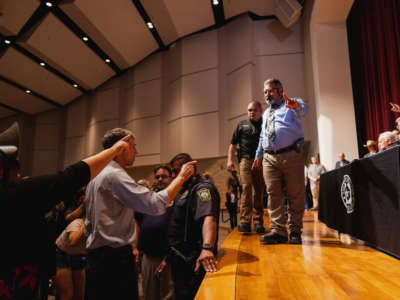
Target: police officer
x,y
247,135
192,233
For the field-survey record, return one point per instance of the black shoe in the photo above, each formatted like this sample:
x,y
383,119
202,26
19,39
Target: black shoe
x,y
273,238
244,228
295,238
259,228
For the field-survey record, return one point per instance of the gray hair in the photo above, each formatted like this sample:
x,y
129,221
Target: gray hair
x,y
114,135
386,136
273,81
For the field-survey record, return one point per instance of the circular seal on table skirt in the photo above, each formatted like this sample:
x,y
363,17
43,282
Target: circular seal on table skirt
x,y
347,194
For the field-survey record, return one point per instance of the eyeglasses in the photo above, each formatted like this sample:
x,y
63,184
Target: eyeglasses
x,y
163,176
270,91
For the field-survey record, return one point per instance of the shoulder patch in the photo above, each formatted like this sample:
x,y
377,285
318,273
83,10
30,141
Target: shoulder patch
x,y
204,194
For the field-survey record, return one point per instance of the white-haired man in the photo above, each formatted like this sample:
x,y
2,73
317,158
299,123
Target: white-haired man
x,y
386,140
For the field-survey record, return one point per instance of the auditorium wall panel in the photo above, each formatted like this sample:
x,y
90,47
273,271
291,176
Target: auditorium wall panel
x,y
173,101
200,52
148,69
147,133
271,38
200,135
48,140
239,42
174,141
104,105
200,92
127,107
74,149
77,120
239,90
147,97
45,162
172,62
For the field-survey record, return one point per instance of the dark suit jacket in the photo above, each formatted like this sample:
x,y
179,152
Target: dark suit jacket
x,y
338,163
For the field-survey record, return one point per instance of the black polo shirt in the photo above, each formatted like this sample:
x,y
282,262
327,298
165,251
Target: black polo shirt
x,y
247,135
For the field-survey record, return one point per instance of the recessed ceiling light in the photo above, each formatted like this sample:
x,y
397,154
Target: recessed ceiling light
x,y
85,38
150,25
27,91
42,64
49,4
215,2
8,42
75,85
108,60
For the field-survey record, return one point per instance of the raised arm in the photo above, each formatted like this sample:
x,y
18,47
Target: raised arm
x,y
98,161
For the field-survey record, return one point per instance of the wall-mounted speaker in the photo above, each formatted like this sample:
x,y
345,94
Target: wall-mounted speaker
x,y
287,11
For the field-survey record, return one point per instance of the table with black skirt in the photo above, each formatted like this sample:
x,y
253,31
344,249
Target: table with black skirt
x,y
362,199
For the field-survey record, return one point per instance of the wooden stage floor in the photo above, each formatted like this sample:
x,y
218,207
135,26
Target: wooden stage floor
x,y
323,267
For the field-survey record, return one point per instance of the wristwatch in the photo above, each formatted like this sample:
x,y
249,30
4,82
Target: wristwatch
x,y
208,247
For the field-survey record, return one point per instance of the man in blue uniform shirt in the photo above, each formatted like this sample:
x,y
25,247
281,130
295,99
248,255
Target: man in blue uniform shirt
x,y
280,151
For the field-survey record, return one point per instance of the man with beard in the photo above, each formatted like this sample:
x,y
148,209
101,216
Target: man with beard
x,y
281,153
153,243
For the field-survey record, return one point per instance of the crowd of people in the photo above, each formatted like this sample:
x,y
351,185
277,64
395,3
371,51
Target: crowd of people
x,y
87,225
92,228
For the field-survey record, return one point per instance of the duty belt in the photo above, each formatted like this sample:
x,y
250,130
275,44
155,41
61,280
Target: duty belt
x,y
293,146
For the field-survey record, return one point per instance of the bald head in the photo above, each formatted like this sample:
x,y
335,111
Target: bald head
x,y
341,156
254,110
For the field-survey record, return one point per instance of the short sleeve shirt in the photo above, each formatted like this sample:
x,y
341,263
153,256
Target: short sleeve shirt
x,y
247,135
190,208
63,240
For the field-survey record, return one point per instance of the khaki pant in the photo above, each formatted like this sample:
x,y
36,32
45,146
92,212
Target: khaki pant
x,y
251,205
156,288
315,194
285,171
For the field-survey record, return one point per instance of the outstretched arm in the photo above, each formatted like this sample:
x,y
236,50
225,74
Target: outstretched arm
x,y
98,161
206,257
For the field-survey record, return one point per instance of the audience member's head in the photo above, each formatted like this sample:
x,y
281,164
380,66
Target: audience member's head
x,y
315,159
385,140
396,134
398,123
341,156
162,176
371,146
144,183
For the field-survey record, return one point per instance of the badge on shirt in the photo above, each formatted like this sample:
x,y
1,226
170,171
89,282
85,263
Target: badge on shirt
x,y
204,195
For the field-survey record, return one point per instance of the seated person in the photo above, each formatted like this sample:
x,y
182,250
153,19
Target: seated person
x,y
342,161
386,140
372,148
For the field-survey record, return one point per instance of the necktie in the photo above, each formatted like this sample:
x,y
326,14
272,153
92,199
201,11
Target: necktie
x,y
271,124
